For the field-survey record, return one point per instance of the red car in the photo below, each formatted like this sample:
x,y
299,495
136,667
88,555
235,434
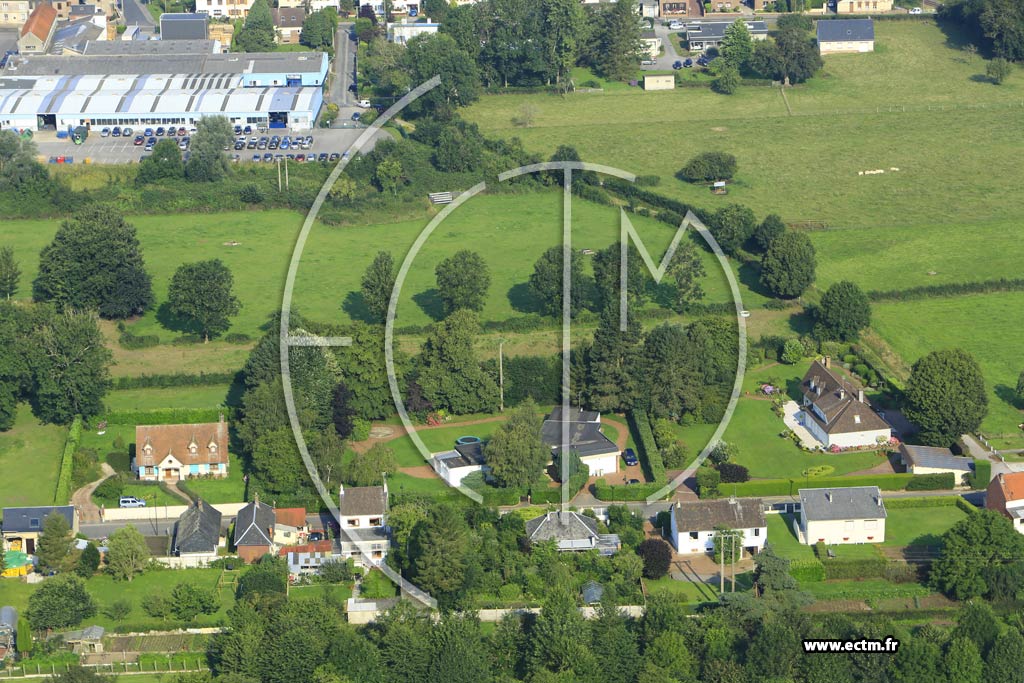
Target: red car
x,y
139,140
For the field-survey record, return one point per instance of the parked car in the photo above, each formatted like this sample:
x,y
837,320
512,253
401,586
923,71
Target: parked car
x,y
677,65
687,63
256,157
629,457
915,10
300,157
365,104
334,156
105,132
238,130
116,132
355,116
268,157
676,26
322,156
633,481
126,132
648,62
148,132
131,502
160,132
239,145
247,130
315,536
149,146
139,140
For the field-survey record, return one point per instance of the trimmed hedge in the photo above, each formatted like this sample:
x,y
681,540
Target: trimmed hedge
x,y
965,506
650,456
627,492
178,379
62,496
947,290
786,487
166,416
923,502
809,570
932,482
982,474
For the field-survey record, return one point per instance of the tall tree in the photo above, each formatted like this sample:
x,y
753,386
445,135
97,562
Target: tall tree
x,y
164,162
615,47
60,602
427,56
564,34
613,371
95,262
462,281
368,468
969,548
1006,661
10,274
201,292
363,368
787,269
560,635
377,284
731,226
449,373
843,312
257,34
318,30
737,46
54,546
546,282
214,134
614,644
127,553
962,662
515,452
945,396
771,572
70,367
439,553
792,57
769,230
456,645
686,270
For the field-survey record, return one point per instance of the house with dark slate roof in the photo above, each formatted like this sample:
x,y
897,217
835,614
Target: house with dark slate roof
x,y
254,530
845,35
581,429
853,514
694,525
836,413
197,535
22,526
932,460
571,531
362,515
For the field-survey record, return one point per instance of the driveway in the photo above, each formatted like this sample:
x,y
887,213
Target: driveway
x,y
670,54
791,411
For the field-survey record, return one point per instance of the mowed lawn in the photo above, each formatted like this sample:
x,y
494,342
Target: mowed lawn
x,y
920,526
30,455
983,324
174,397
804,167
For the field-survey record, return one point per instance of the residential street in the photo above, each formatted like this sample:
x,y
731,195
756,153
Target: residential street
x,y
137,14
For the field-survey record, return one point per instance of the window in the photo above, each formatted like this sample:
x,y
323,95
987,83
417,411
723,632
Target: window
x,y
693,535
870,524
757,532
353,522
849,525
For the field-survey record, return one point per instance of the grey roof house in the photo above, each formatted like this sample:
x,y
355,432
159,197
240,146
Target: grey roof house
x,y
845,35
362,501
852,514
701,35
254,530
597,451
183,26
931,460
197,530
694,526
572,532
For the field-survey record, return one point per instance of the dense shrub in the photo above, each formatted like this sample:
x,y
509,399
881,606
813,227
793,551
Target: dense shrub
x,y
628,492
237,338
808,570
708,480
179,379
67,463
732,473
932,482
982,474
130,341
657,557
251,194
111,488
650,456
923,502
866,568
707,167
787,487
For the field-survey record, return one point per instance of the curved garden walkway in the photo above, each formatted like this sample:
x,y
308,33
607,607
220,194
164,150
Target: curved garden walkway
x,y
82,498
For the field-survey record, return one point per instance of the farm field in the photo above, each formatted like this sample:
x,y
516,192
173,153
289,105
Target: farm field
x,y
174,397
33,450
975,323
940,179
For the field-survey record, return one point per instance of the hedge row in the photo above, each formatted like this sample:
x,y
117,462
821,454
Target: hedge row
x,y
62,496
627,492
932,482
132,342
650,456
178,379
807,570
923,502
951,289
965,506
982,474
166,416
787,487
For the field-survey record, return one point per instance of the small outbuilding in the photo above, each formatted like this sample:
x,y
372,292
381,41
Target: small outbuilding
x,y
660,82
846,35
931,460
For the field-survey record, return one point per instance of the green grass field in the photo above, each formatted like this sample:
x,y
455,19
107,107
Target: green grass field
x,y
174,397
920,526
33,451
975,323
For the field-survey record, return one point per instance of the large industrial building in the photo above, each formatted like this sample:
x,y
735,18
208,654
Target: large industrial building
x,y
277,90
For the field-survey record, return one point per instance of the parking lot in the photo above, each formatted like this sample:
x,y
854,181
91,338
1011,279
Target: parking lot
x,y
122,150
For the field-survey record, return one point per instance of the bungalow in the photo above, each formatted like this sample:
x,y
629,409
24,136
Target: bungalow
x,y
701,35
403,31
596,451
836,414
290,526
1005,495
23,526
455,465
197,535
694,525
650,44
931,460
173,452
854,514
572,532
362,516
845,35
254,530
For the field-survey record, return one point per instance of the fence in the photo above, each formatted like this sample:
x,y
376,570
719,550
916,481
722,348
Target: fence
x,y
163,512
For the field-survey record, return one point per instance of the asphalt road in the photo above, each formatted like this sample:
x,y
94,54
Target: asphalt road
x,y
8,39
136,14
121,150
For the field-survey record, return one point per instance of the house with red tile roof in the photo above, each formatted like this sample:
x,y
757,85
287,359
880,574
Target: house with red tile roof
x,y
1005,495
173,452
38,30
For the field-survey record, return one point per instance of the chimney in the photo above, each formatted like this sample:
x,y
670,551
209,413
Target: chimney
x,y
860,395
878,500
1001,482
270,532
828,362
256,499
828,496
341,493
842,394
222,418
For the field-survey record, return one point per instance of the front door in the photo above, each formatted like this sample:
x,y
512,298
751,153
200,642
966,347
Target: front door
x,y
30,546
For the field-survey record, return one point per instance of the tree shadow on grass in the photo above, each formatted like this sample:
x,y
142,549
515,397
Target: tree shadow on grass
x,y
174,323
750,277
982,78
522,299
355,306
429,301
1009,395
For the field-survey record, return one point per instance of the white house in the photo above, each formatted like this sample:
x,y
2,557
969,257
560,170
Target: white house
x,y
693,525
173,452
931,460
362,515
854,514
595,450
650,44
455,465
845,35
197,536
836,414
403,32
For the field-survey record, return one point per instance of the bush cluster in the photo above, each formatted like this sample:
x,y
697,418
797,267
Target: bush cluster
x,y
178,379
807,570
650,456
67,463
932,482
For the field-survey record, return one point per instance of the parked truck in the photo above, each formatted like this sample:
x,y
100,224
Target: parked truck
x,y
8,631
79,134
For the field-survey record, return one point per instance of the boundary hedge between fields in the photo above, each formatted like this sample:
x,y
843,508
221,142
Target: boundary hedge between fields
x,y
62,495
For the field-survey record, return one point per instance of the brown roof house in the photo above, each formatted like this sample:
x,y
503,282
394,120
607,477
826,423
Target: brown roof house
x,y
363,518
173,452
290,526
288,24
836,414
694,525
38,30
1006,495
254,531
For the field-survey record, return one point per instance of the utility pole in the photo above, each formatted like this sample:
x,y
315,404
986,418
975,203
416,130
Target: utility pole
x,y
286,185
736,540
278,175
721,564
501,377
